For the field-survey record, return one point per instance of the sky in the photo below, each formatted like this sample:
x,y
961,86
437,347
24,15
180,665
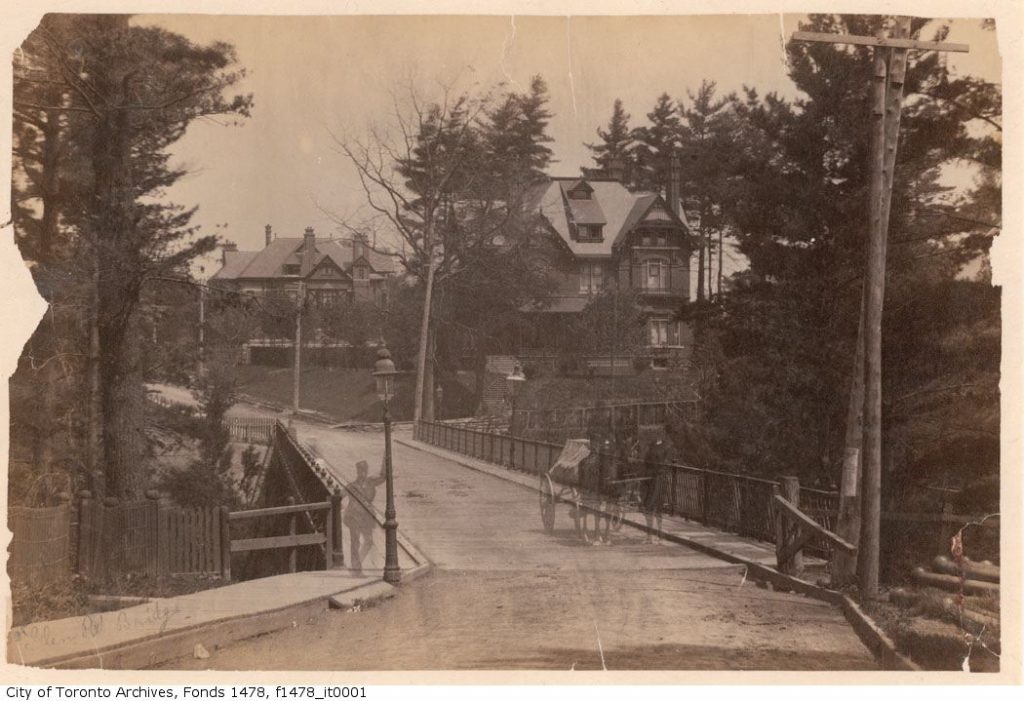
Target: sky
x,y
315,79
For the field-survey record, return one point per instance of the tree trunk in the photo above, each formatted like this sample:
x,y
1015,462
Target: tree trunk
x,y
700,261
721,249
118,283
51,185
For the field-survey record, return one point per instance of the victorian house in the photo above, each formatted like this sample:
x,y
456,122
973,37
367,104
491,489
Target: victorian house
x,y
323,271
326,270
605,235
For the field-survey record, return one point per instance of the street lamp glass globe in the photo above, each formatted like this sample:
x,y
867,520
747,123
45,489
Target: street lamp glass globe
x,y
384,373
515,379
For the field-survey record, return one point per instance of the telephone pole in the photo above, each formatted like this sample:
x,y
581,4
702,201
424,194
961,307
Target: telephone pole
x,y
300,300
890,60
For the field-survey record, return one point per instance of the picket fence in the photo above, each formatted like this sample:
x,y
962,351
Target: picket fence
x,y
148,537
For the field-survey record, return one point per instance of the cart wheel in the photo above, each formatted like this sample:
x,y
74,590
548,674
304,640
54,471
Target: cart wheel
x,y
547,503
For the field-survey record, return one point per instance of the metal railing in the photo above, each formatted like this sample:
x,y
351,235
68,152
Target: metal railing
x,y
737,503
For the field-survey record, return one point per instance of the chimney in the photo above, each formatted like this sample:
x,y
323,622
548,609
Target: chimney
x,y
226,248
359,245
673,184
308,251
616,168
270,234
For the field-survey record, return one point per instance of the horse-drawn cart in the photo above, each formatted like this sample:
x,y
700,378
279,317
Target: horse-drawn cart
x,y
578,471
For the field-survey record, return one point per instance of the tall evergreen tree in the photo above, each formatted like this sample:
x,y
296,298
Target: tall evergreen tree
x,y
655,145
789,326
615,153
708,136
123,94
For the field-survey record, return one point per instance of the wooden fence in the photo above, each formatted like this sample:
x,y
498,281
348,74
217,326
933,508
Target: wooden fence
x,y
40,550
257,429
325,532
148,537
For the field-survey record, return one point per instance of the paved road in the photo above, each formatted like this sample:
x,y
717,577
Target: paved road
x,y
506,595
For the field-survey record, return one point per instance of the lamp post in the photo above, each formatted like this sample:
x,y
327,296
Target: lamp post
x,y
384,373
515,381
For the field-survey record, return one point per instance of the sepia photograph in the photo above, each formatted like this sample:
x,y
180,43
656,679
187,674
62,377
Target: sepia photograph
x,y
461,342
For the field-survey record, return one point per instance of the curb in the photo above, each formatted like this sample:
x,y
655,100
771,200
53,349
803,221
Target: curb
x,y
157,649
873,637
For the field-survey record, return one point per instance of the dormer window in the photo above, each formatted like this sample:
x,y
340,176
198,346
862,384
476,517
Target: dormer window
x,y
580,191
589,232
291,269
362,272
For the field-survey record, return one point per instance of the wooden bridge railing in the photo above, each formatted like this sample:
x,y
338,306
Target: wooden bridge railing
x,y
329,537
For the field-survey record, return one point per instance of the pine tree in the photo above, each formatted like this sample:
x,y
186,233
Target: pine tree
x,y
615,154
655,145
123,94
708,147
514,138
789,323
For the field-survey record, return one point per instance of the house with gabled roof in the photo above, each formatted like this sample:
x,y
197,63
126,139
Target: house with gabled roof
x,y
605,235
329,270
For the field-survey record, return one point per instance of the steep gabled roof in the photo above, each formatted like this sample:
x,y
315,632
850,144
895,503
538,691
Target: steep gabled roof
x,y
283,251
611,204
234,263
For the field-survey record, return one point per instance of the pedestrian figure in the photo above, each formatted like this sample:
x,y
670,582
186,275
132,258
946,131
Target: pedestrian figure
x,y
656,485
359,519
589,484
610,487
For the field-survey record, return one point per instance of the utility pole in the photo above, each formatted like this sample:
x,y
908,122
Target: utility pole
x,y
428,295
890,60
300,300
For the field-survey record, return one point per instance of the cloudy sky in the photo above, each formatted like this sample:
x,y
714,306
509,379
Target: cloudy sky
x,y
315,77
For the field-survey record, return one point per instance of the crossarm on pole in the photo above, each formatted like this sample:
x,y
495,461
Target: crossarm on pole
x,y
888,42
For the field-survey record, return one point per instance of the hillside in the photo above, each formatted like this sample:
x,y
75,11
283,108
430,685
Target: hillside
x,y
344,394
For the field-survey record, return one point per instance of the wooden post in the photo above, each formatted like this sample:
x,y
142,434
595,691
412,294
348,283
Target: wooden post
x,y
329,536
790,487
225,543
339,549
293,552
153,549
86,534
705,501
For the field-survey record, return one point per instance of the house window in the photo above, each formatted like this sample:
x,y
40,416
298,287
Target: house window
x,y
291,269
656,274
591,278
658,331
589,232
327,298
362,273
